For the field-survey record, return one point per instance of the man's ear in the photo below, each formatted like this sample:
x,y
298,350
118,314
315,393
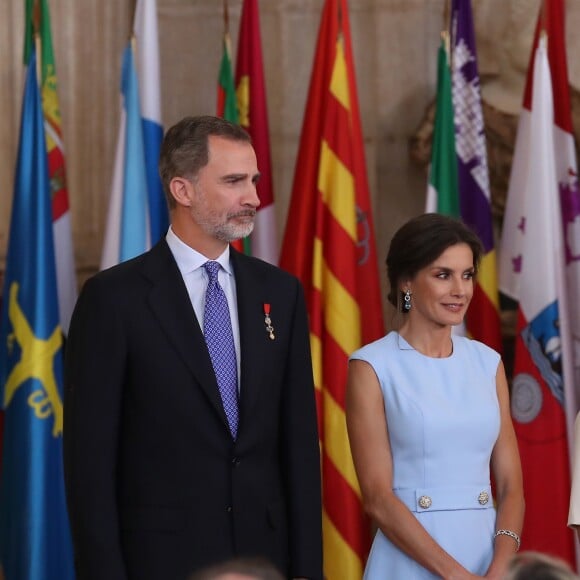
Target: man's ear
x,y
181,189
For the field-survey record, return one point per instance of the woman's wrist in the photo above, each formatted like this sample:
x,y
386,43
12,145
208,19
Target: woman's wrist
x,y
509,534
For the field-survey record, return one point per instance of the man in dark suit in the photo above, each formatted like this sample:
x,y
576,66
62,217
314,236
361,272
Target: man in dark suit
x,y
160,480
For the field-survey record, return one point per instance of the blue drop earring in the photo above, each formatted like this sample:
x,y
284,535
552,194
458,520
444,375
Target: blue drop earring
x,y
407,305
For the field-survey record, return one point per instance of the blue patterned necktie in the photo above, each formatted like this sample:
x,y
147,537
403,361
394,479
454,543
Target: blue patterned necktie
x,y
217,329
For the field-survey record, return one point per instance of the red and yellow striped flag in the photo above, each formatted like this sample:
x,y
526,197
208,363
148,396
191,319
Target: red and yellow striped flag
x,y
329,245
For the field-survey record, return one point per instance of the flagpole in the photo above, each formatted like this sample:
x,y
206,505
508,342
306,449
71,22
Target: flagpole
x,y
132,34
446,33
132,11
226,18
227,39
544,17
446,8
447,44
544,23
37,40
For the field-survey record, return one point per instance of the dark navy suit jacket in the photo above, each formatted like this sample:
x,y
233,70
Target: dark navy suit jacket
x,y
156,487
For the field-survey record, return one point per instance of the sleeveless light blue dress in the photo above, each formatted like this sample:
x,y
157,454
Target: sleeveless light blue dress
x,y
443,420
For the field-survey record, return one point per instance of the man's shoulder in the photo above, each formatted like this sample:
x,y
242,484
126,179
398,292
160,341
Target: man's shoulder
x,y
263,269
134,268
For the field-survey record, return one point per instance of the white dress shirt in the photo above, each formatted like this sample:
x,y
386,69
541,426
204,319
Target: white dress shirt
x,y
190,264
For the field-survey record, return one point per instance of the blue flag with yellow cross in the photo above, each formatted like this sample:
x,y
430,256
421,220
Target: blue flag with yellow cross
x,y
35,540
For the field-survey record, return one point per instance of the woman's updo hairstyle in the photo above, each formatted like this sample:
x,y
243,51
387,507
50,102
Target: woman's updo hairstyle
x,y
419,242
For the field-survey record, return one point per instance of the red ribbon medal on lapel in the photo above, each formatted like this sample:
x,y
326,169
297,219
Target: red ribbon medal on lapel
x,y
268,321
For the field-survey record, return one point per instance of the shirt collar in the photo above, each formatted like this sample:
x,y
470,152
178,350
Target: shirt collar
x,y
189,259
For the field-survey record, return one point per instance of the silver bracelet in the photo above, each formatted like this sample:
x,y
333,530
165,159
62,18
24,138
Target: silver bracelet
x,y
511,534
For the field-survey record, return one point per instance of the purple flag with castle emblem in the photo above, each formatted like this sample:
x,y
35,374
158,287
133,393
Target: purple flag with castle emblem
x,y
482,321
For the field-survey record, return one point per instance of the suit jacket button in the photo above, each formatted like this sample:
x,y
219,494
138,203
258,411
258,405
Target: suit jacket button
x,y
229,509
235,461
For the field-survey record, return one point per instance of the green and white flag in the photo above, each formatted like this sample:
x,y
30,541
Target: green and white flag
x,y
227,105
442,190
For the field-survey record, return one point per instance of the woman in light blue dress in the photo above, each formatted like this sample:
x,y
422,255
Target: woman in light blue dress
x,y
428,419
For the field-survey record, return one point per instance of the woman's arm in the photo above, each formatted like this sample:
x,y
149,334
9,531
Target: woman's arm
x,y
371,451
507,473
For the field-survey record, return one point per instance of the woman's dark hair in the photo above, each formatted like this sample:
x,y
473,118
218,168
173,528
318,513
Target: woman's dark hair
x,y
420,242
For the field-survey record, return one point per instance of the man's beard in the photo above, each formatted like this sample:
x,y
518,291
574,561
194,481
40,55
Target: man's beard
x,y
228,230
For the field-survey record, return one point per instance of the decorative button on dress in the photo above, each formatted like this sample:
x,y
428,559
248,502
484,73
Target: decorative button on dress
x,y
443,419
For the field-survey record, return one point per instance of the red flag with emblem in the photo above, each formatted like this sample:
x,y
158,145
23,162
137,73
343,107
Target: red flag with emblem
x,y
253,116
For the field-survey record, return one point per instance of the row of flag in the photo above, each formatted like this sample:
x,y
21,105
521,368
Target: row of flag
x,y
329,244
331,191
539,265
40,287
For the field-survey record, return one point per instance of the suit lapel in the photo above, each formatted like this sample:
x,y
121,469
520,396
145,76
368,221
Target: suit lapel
x,y
170,304
250,300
